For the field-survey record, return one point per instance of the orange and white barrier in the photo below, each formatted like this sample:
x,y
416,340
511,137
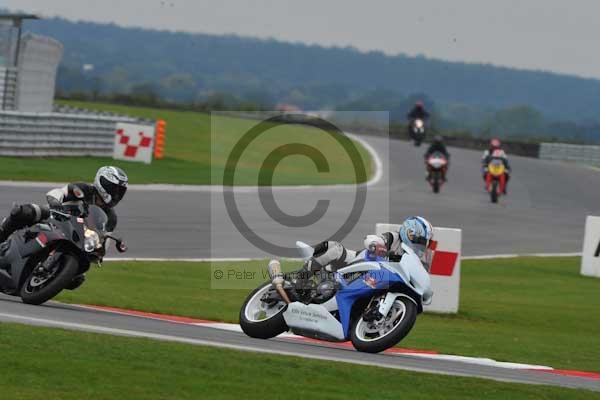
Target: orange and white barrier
x,y
444,270
159,145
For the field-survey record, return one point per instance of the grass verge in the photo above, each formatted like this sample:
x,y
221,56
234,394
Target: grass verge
x,y
195,156
92,366
531,310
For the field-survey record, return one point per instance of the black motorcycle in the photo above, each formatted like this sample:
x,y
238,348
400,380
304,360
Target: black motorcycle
x,y
38,262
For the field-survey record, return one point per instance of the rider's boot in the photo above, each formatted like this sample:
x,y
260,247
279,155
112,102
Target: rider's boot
x,y
3,234
20,217
301,279
9,224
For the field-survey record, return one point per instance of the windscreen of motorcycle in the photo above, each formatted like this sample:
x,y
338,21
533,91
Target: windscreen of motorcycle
x,y
437,160
96,219
496,167
425,252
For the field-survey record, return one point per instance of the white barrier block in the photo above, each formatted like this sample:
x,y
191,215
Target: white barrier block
x,y
134,142
445,267
590,261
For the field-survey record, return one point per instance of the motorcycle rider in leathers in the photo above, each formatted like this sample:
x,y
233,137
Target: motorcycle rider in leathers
x,y
329,256
437,146
495,151
109,187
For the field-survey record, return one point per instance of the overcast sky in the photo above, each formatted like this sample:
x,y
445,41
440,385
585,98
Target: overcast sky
x,y
556,35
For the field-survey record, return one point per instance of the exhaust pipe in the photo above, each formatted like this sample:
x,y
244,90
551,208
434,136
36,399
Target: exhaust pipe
x,y
277,279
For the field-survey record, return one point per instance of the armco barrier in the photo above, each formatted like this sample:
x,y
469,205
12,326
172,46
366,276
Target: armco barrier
x,y
570,152
8,88
58,134
444,269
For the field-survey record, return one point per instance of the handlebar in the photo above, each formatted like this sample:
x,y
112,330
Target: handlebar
x,y
62,214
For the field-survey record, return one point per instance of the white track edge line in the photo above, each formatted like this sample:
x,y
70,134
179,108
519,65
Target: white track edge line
x,y
241,259
289,336
179,339
375,179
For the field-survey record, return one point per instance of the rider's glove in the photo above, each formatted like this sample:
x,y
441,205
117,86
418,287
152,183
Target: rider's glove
x,y
55,204
375,245
371,242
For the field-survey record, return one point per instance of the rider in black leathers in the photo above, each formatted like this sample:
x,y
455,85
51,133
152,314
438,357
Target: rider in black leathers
x,y
109,187
418,112
437,146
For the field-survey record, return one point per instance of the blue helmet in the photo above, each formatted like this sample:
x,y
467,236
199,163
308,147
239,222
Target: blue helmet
x,y
416,233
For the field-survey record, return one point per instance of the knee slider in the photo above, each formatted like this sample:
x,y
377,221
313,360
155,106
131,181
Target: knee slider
x,y
320,249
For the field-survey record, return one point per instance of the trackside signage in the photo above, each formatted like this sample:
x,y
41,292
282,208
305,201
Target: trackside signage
x,y
590,261
444,270
134,142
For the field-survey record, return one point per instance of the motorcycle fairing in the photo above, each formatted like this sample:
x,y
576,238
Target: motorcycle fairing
x,y
25,242
370,283
313,320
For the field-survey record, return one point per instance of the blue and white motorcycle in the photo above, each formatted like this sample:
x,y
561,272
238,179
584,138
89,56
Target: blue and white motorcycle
x,y
372,303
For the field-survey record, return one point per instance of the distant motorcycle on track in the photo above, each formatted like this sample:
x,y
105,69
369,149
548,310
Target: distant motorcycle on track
x,y
374,304
436,165
416,131
495,179
38,262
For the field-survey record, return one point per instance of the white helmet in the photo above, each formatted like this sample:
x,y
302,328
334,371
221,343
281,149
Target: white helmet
x,y
417,233
111,184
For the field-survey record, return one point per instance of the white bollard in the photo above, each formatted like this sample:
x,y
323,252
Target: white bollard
x,y
445,267
590,261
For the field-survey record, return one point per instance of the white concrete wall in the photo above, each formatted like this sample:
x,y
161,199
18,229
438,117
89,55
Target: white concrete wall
x,y
590,261
38,62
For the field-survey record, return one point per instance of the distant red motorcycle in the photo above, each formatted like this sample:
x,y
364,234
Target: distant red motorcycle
x,y
437,166
495,179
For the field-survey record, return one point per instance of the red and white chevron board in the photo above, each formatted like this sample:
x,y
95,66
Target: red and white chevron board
x,y
133,142
445,267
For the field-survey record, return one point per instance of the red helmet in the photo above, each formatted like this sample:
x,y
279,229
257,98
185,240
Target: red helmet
x,y
495,144
419,104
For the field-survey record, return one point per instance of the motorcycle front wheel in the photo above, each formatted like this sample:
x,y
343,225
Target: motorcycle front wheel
x,y
262,320
436,182
389,330
38,289
494,192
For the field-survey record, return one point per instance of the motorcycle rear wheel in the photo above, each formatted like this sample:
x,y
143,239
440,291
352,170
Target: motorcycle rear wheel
x,y
268,327
37,294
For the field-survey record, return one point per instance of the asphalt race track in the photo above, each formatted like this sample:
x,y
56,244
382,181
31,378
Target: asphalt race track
x,y
544,212
72,317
